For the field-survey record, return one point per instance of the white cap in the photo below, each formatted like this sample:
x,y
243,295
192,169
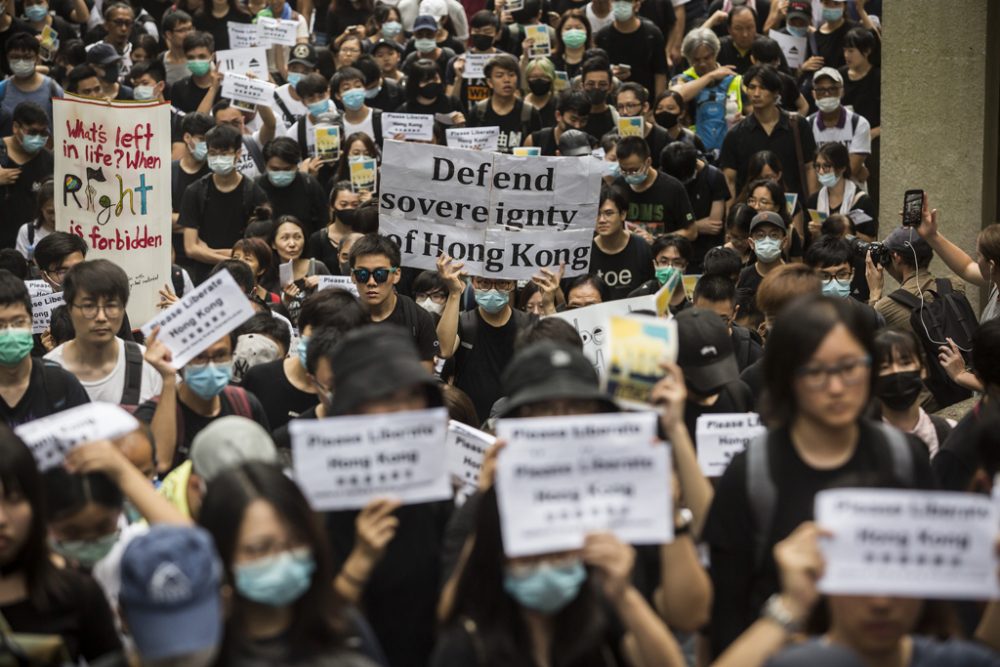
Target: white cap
x,y
830,72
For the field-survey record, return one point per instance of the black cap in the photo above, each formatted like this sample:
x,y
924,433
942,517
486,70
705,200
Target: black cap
x,y
548,370
102,53
574,143
304,54
768,218
705,351
396,46
906,241
374,362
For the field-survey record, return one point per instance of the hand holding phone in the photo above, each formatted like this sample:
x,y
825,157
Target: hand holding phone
x,y
913,207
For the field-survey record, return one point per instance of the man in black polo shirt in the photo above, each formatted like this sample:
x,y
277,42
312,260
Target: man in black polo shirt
x,y
769,128
658,203
634,41
735,47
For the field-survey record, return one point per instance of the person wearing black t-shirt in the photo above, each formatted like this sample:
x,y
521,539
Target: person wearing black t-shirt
x,y
189,168
484,28
618,257
635,41
187,94
290,191
632,101
572,112
375,264
707,191
424,46
24,151
658,203
826,48
425,93
768,239
596,81
516,118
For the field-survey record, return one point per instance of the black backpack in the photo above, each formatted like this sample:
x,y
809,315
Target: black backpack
x,y
949,315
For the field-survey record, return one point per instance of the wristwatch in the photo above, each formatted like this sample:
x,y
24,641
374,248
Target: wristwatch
x,y
775,610
682,524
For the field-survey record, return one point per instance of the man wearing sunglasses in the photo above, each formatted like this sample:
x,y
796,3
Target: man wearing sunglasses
x,y
374,263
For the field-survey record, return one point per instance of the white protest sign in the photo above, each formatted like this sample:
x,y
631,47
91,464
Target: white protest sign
x,y
241,61
474,64
49,438
555,485
466,448
276,31
793,47
345,462
337,282
286,273
41,310
243,35
112,170
244,89
474,138
37,287
594,322
502,216
419,126
926,544
720,437
619,429
212,310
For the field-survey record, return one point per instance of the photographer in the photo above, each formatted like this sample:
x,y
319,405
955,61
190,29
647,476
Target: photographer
x,y
909,264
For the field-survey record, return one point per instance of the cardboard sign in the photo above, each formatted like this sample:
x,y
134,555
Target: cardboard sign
x,y
276,31
37,287
364,171
631,126
243,35
50,438
720,437
926,544
337,282
241,61
418,126
474,138
526,151
638,345
244,89
552,490
474,64
327,142
193,324
466,448
593,322
541,35
344,463
41,310
793,47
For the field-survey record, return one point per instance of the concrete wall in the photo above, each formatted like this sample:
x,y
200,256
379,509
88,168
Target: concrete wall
x,y
940,113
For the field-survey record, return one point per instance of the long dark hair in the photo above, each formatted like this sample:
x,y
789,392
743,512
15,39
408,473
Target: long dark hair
x,y
578,630
316,621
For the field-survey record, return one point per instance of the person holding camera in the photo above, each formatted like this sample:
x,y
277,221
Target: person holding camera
x,y
908,261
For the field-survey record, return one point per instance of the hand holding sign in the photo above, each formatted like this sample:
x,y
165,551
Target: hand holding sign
x,y
800,566
613,560
670,394
51,438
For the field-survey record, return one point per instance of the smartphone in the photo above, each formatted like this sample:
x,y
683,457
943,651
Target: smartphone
x,y
913,208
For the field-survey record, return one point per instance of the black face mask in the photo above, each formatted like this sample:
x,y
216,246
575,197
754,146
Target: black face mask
x,y
431,91
348,216
665,119
481,42
597,96
899,390
539,86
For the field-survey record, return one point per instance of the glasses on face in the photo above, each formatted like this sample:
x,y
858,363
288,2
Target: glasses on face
x,y
123,23
675,262
492,283
850,371
842,276
436,297
632,172
629,107
753,201
826,92
350,49
774,235
381,274
18,323
89,310
220,357
823,167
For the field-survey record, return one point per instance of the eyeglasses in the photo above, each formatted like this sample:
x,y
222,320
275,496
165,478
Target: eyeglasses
x,y
436,297
89,310
221,357
381,274
629,106
822,167
826,92
850,372
123,23
633,172
19,323
753,201
842,276
491,283
677,262
774,236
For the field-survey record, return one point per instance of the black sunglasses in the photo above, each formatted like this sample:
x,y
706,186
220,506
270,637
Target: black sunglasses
x,y
381,275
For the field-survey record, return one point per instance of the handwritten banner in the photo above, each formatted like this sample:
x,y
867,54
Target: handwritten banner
x,y
720,437
112,164
41,310
50,438
345,462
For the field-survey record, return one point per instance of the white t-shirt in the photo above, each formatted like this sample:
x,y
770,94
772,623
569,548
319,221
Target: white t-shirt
x,y
26,249
109,388
295,107
293,132
364,126
856,135
596,22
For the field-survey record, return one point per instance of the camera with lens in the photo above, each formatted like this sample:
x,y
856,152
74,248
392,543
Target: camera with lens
x,y
879,253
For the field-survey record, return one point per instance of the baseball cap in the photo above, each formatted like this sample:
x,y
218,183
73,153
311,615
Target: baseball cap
x,y
828,72
705,350
253,350
374,362
906,241
102,54
425,22
228,442
170,592
435,8
800,9
303,54
396,46
548,370
767,218
574,143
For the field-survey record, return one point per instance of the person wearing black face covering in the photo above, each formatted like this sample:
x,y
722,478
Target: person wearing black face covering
x,y
596,81
667,111
900,388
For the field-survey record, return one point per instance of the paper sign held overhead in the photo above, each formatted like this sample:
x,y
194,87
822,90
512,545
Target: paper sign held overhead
x,y
50,438
193,324
243,35
466,448
474,64
244,89
241,61
541,35
720,437
276,31
474,138
344,463
41,310
417,126
639,344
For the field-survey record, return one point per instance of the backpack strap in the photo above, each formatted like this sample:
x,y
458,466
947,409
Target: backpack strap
x,y
31,234
942,429
899,450
133,374
238,400
377,126
3,89
526,110
177,279
255,152
289,116
943,287
303,142
468,326
763,495
793,120
54,384
901,296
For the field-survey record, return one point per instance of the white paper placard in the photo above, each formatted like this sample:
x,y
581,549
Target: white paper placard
x,y
541,35
276,31
474,138
594,322
244,89
474,63
552,491
49,438
466,448
345,283
37,287
241,61
243,35
41,310
720,437
212,310
419,126
618,429
344,463
286,273
927,544
793,47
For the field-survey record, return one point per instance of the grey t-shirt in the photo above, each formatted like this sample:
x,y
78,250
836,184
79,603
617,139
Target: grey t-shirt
x,y
42,96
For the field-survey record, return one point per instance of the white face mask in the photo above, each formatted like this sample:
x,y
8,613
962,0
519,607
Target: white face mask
x,y
430,306
828,104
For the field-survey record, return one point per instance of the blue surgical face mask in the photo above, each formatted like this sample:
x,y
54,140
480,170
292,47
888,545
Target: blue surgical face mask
x,y
294,78
391,28
828,179
636,179
85,553
425,45
836,287
318,108
144,92
281,179
33,143
612,169
797,31
208,380
303,345
36,12
199,151
832,14
546,588
767,250
491,300
353,99
622,10
276,581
